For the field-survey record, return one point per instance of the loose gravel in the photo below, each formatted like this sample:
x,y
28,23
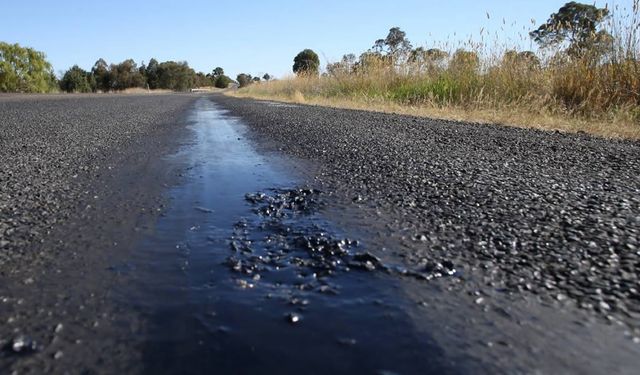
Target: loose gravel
x,y
80,177
517,211
512,211
54,149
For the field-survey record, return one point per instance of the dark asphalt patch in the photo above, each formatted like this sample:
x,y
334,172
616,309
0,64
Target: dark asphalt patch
x,y
288,235
521,211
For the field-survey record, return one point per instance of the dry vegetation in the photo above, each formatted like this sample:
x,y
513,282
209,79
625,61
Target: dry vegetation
x,y
596,92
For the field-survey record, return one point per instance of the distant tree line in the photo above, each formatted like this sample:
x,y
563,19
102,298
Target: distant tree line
x,y
26,70
245,79
396,51
168,75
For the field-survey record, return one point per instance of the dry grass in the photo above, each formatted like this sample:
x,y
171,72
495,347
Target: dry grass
x,y
490,83
510,117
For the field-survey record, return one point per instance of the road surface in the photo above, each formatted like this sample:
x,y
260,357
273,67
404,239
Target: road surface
x,y
203,233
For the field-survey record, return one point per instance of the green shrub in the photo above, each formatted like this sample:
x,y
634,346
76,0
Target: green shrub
x,y
222,81
77,80
23,69
306,62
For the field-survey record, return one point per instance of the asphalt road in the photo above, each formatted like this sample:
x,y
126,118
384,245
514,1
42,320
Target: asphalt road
x,y
550,214
536,235
81,176
55,151
540,229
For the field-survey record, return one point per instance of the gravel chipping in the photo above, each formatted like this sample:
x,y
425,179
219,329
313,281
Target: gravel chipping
x,y
80,177
54,150
520,212
498,213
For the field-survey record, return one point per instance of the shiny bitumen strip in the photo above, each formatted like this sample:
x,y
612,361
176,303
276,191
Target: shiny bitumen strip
x,y
224,285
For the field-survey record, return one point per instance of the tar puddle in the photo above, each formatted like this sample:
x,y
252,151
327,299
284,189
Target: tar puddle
x,y
242,274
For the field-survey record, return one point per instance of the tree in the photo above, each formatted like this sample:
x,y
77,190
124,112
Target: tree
x,y
306,62
395,45
371,61
576,25
397,42
203,80
125,75
24,69
76,80
335,69
349,60
345,66
431,60
152,74
256,79
222,82
177,76
378,46
101,76
266,77
217,72
244,79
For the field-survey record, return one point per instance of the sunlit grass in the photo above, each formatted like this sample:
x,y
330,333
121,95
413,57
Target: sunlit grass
x,y
549,91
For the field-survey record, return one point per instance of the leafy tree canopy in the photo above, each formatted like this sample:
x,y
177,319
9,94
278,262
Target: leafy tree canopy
x,y
24,69
432,55
125,75
345,66
218,71
306,62
397,42
77,80
222,82
244,79
101,75
152,73
177,76
395,45
575,24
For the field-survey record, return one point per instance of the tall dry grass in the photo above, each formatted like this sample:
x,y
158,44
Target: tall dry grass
x,y
597,93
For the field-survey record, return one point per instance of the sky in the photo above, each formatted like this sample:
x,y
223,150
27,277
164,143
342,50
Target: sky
x,y
257,37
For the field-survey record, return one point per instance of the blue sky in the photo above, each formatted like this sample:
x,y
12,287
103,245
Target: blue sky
x,y
253,36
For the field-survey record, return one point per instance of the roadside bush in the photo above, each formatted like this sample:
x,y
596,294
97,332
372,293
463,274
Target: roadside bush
x,y
77,80
222,81
24,69
244,79
202,80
